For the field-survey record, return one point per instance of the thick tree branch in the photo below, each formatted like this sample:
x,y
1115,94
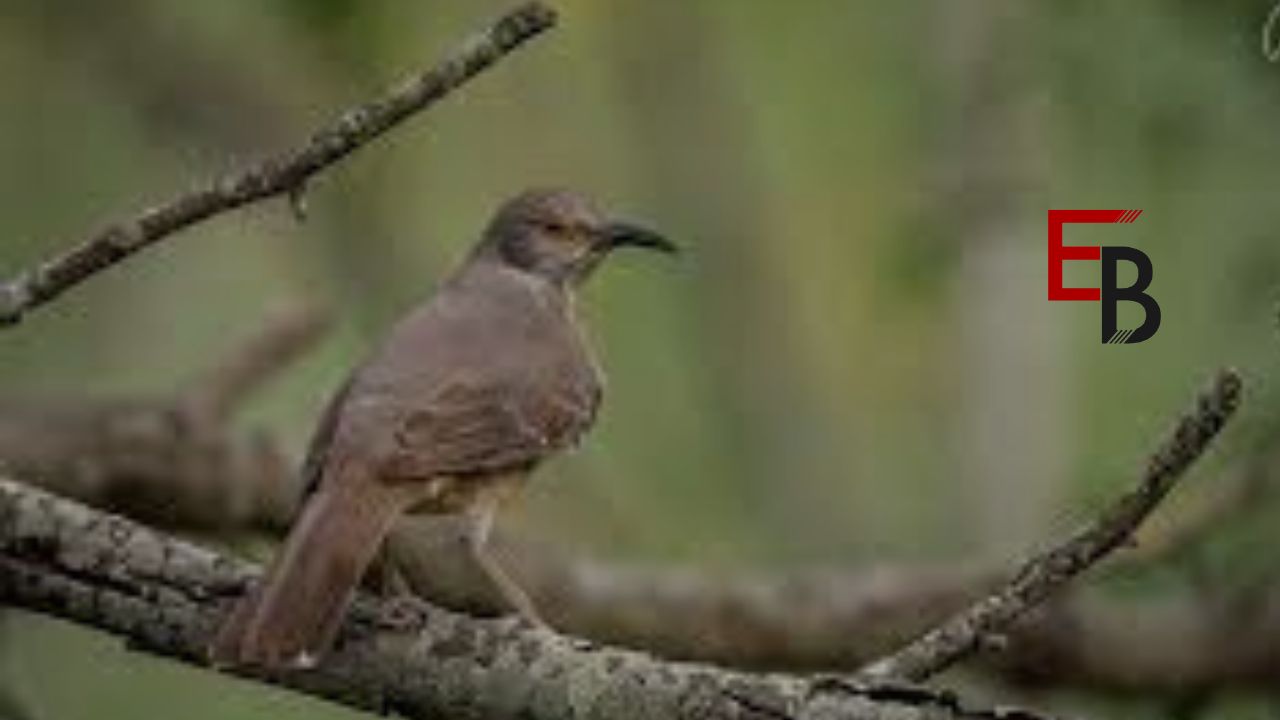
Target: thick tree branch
x,y
1045,574
171,461
147,458
165,596
799,620
1160,647
140,457
284,174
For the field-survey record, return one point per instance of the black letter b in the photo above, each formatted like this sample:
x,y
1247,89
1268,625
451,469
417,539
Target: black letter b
x,y
1134,293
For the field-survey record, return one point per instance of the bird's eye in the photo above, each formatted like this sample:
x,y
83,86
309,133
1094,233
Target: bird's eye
x,y
555,227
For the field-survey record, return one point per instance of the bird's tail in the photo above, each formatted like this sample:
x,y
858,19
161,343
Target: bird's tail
x,y
293,614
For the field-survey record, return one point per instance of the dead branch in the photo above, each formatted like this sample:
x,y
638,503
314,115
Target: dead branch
x,y
285,174
802,620
139,458
145,458
170,461
1046,574
165,596
1165,647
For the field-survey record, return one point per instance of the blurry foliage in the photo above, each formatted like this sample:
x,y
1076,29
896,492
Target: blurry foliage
x,y
787,393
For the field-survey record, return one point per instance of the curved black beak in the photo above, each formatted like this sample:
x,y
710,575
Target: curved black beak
x,y
623,234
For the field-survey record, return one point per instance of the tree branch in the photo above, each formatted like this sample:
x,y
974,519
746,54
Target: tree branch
x,y
283,174
1160,647
140,457
808,619
1045,574
165,596
174,460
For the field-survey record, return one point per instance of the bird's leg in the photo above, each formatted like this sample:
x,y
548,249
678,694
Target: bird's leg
x,y
384,577
479,522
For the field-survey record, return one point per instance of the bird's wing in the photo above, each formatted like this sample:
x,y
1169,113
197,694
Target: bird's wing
x,y
473,427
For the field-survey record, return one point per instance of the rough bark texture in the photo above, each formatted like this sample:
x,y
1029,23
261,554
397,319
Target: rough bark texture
x,y
284,174
143,458
165,596
814,619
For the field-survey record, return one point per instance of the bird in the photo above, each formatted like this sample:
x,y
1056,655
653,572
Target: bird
x,y
449,415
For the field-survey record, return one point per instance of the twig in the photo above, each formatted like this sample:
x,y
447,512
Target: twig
x,y
128,458
1045,574
165,596
136,457
283,174
285,335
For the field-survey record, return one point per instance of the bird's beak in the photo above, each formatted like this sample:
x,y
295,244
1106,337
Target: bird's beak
x,y
622,234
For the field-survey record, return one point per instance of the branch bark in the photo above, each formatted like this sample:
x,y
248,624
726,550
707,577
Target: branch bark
x,y
285,174
165,596
800,620
140,458
1044,575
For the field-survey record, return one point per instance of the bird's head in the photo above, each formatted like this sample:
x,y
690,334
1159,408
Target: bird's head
x,y
560,235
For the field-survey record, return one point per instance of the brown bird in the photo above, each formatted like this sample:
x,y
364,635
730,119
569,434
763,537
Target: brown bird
x,y
466,396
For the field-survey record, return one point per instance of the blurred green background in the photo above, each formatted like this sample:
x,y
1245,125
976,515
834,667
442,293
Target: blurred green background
x,y
854,363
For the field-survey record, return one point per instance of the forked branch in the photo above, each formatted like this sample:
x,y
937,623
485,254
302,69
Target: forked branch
x,y
165,595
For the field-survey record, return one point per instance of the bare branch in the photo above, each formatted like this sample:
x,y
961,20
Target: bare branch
x,y
285,335
140,458
171,461
144,457
165,596
1047,573
1156,647
284,174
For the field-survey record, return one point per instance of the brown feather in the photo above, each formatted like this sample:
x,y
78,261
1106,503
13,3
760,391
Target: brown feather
x,y
469,392
492,375
296,610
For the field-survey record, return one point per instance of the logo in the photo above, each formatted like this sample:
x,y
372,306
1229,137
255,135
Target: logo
x,y
1110,256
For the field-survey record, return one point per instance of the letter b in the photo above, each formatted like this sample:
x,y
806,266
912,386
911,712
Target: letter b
x,y
1111,255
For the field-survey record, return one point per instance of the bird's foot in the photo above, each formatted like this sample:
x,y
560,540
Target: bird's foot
x,y
530,622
